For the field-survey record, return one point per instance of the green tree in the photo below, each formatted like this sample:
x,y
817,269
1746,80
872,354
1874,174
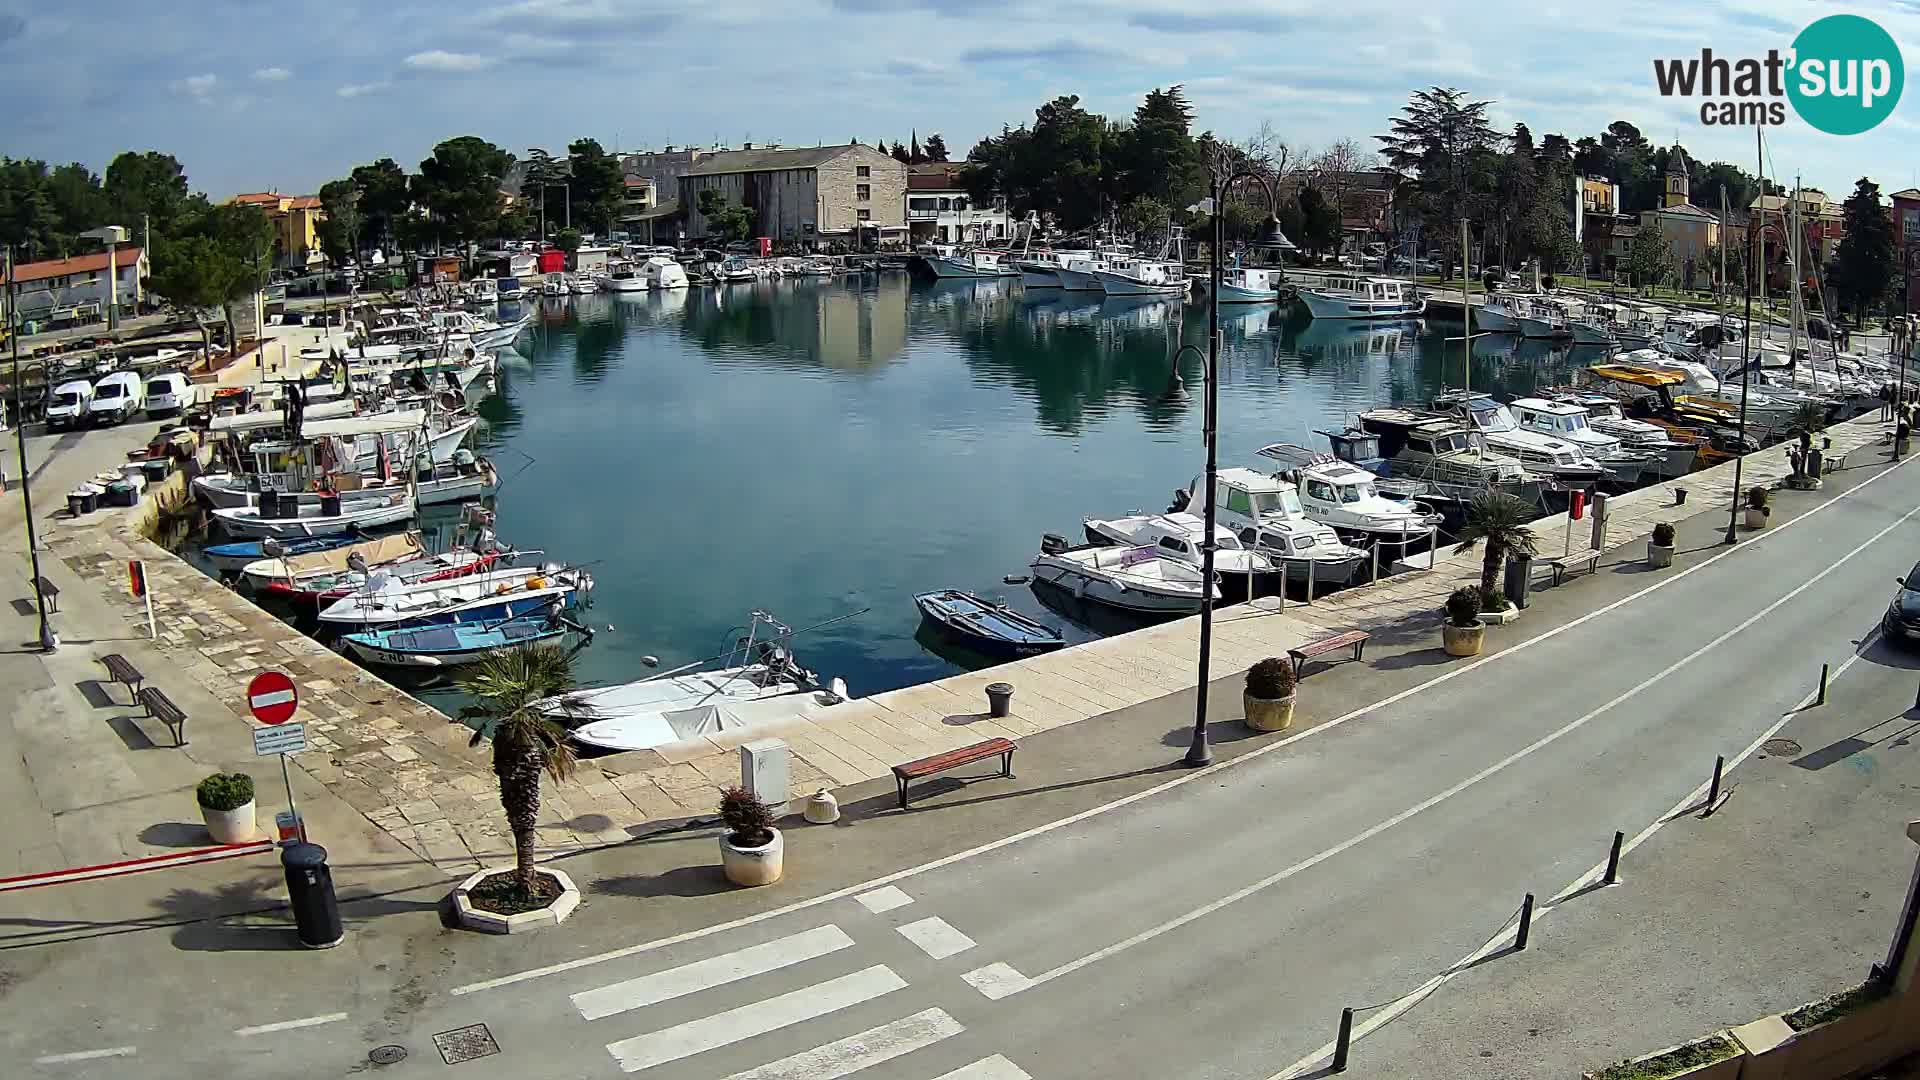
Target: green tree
x,y
1501,520
1319,225
460,186
1865,264
1157,155
1649,256
598,184
1059,169
78,201
900,153
1436,138
26,209
935,148
340,227
383,198
192,278
544,183
147,184
567,240
242,239
1144,216
513,693
727,220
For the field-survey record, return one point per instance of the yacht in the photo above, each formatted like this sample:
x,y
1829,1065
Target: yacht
x,y
482,292
1137,579
662,272
1361,296
1565,420
1265,512
1344,497
1241,574
622,276
1540,453
1605,416
1452,458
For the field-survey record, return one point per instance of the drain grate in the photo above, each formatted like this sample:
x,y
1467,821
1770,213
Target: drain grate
x,y
1780,748
466,1044
387,1055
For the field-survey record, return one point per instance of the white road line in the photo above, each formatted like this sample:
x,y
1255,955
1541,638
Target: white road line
x,y
884,899
992,1068
936,937
855,1052
85,1055
289,1025
996,981
705,974
1162,788
722,1029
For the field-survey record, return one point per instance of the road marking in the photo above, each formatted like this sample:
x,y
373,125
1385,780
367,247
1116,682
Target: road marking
x,y
289,1025
84,1055
705,974
855,1052
992,1068
936,937
1185,778
884,900
722,1029
996,981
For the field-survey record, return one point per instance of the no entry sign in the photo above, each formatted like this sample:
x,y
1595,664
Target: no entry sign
x,y
272,697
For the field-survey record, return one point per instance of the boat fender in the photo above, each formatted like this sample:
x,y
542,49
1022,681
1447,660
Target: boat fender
x,y
1016,579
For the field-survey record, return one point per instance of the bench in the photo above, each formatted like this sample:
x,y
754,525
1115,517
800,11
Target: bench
x,y
1357,639
50,591
120,670
1564,564
953,759
162,708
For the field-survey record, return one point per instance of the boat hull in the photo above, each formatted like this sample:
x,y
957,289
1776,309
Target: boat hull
x,y
1112,594
1495,321
939,612
366,647
285,528
1078,280
1240,294
953,268
1120,285
1540,328
1329,306
1039,279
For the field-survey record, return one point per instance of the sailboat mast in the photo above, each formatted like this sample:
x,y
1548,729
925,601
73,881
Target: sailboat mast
x,y
1466,312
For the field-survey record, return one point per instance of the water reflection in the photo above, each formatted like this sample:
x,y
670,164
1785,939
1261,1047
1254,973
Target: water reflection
x,y
842,326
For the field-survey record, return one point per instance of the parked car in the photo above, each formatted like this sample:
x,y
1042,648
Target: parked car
x,y
167,393
116,398
67,405
1901,623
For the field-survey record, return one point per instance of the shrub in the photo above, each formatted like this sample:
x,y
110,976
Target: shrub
x,y
749,821
1494,600
1835,1006
1271,679
1758,498
1463,607
225,791
1663,535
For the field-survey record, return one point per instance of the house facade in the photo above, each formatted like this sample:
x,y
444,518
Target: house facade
x,y
296,227
67,292
939,211
852,195
1906,242
663,167
1690,231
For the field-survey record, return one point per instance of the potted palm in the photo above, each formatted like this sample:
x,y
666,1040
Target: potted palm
x,y
1660,547
226,805
751,850
1759,506
1500,520
1269,694
1463,632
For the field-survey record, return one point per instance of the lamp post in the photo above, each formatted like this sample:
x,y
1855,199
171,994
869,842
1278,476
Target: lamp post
x,y
48,639
1201,752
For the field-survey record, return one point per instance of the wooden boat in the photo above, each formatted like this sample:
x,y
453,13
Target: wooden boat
x,y
234,557
987,628
329,517
497,594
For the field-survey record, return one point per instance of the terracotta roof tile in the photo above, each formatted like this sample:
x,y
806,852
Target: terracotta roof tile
x,y
79,264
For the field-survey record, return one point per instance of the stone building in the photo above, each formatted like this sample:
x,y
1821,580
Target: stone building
x,y
1690,231
811,197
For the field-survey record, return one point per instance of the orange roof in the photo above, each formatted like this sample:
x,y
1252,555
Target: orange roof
x,y
259,198
305,202
79,264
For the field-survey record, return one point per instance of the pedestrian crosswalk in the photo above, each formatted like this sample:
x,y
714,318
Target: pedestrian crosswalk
x,y
706,974
772,1014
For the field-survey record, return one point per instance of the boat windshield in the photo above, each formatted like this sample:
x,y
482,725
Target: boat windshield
x,y
1226,541
1353,493
1497,419
1286,501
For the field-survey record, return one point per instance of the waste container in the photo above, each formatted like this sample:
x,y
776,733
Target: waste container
x,y
999,699
76,503
316,913
89,499
330,505
269,505
1519,579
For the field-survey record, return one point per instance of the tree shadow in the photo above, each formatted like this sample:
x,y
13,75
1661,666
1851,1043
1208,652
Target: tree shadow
x,y
1416,658
686,881
175,834
229,917
888,803
590,823
1230,731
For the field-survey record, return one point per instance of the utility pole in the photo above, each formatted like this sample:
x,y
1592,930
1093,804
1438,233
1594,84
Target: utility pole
x,y
48,640
1746,344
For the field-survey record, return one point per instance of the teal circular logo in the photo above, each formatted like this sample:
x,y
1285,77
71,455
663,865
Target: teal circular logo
x,y
1846,75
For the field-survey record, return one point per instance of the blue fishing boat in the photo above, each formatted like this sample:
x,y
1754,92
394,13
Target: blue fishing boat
x,y
235,556
454,644
987,628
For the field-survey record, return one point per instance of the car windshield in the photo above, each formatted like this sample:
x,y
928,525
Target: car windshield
x,y
69,399
1912,583
110,390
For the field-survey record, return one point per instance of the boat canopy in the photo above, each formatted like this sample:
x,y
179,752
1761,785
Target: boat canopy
x,y
273,418
1629,373
377,424
387,549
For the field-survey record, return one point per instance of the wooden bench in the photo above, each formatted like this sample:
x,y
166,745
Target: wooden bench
x,y
162,708
1357,639
1564,564
120,670
953,759
51,591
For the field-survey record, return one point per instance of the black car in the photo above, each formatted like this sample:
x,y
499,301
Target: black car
x,y
1902,620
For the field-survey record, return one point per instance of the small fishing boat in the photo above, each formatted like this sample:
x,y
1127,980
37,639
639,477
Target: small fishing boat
x,y
321,586
234,557
1138,579
1240,573
458,644
987,628
331,516
498,594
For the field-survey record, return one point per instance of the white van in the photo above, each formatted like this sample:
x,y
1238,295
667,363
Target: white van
x,y
67,405
167,393
117,397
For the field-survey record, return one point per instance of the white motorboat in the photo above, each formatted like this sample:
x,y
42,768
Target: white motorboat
x,y
1543,318
496,594
1565,420
467,476
1344,497
328,576
1557,458
621,276
1500,313
582,285
1447,455
1242,574
1139,579
736,271
1266,514
1125,275
327,517
1605,416
971,263
1080,273
1250,284
554,284
662,272
1361,296
482,292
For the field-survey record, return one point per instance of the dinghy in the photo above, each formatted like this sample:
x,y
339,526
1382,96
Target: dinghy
x,y
989,629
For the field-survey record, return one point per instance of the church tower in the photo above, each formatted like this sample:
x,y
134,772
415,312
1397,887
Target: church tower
x,y
1677,179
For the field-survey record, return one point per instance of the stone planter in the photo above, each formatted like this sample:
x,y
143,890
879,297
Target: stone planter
x,y
1659,557
1462,640
491,922
753,866
235,826
1268,714
1726,1068
1500,618
1756,517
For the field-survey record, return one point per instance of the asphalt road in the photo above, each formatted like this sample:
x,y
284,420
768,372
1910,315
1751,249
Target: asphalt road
x,y
1211,927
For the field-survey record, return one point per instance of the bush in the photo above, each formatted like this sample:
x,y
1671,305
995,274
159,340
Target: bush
x,y
1835,1006
1271,679
225,791
1663,535
1495,601
749,821
1758,498
1463,607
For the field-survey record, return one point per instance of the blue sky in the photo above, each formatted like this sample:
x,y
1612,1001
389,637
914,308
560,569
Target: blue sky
x,y
289,94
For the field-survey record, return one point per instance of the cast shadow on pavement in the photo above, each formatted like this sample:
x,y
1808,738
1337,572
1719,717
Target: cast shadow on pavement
x,y
1415,658
180,834
888,804
1218,732
685,881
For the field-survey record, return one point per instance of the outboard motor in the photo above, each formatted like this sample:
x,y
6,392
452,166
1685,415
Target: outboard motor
x,y
1181,500
1052,544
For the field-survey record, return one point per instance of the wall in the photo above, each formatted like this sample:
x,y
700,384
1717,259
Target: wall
x,y
839,190
783,201
85,288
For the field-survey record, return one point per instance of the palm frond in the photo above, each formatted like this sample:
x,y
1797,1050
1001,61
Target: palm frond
x,y
1499,518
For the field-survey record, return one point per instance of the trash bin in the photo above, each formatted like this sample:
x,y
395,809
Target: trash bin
x,y
999,699
269,505
89,500
316,913
76,503
156,470
330,505
1519,579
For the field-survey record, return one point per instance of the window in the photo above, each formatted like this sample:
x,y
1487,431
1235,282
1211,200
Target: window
x,y
863,192
1321,490
1173,544
863,170
1238,502
864,215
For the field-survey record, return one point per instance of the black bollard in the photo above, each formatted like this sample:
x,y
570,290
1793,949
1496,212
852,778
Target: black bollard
x,y
1613,860
1526,924
1713,790
1821,699
1344,1044
316,912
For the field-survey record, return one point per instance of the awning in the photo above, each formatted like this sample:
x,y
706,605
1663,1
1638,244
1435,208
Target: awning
x,y
273,418
377,424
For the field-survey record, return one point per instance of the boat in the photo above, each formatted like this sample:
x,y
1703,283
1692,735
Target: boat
x,y
970,263
1500,313
496,594
483,292
1559,459
458,644
1346,498
1127,275
989,629
662,272
331,516
509,290
1543,318
1241,574
466,477
582,285
1447,455
621,276
1359,296
234,556
1082,274
735,271
1139,579
1265,514
1649,396
1677,456
1568,421
1250,284
279,562
554,284
315,580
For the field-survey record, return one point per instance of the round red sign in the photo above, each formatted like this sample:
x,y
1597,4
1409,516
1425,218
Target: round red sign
x,y
272,697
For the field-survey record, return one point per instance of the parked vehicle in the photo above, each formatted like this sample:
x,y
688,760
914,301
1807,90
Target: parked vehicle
x,y
168,393
67,407
116,398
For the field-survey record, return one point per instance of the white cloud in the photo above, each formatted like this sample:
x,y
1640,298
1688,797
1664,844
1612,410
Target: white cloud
x,y
197,87
442,60
361,89
272,74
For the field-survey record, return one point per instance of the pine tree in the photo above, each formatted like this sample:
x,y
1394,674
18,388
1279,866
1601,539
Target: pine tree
x,y
1863,270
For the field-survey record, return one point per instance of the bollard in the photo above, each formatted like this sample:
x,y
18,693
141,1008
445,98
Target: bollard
x,y
1713,792
1343,1045
1821,698
1310,565
1376,561
1526,924
1916,699
1613,860
1679,496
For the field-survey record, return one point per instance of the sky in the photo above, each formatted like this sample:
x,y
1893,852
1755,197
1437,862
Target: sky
x,y
285,96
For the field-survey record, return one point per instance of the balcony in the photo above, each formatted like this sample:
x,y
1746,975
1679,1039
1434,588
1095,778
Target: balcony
x,y
924,215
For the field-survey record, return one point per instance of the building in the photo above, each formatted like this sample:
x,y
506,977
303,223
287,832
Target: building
x,y
638,198
1822,222
939,211
67,292
852,195
663,167
1906,241
1691,232
296,227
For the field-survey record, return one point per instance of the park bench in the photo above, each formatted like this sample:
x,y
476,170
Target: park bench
x,y
162,708
1354,639
953,759
52,593
122,671
1564,564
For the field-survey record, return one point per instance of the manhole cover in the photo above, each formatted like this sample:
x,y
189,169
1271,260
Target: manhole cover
x,y
387,1055
465,1044
1780,747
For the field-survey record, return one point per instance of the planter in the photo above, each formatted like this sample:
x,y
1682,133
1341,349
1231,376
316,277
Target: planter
x,y
1500,618
822,808
493,922
1462,640
1756,518
753,866
235,826
1268,714
1716,1057
1659,557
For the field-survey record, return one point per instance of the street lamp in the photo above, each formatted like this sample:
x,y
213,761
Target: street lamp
x,y
112,236
1270,237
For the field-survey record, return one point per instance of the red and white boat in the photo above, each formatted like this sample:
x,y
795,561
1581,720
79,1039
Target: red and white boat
x,y
324,577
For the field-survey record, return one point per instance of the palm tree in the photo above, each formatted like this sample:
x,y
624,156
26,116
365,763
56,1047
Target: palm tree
x,y
527,741
1501,520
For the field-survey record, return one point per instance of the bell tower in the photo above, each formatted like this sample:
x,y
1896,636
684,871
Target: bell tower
x,y
1677,180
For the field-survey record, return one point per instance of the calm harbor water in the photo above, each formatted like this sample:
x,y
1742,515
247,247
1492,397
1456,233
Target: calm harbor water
x,y
818,448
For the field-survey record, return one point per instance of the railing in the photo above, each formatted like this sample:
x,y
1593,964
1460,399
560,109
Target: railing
x,y
924,215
